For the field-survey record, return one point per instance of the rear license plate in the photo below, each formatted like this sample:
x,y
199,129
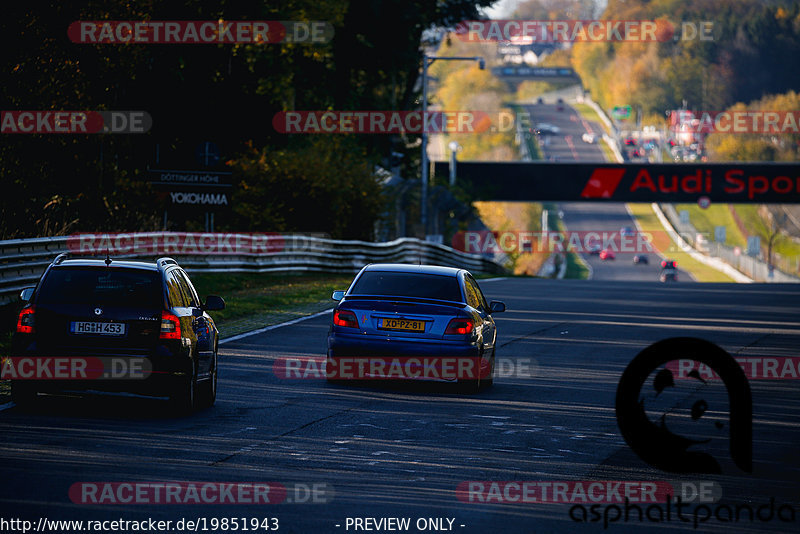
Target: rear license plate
x,y
103,329
401,324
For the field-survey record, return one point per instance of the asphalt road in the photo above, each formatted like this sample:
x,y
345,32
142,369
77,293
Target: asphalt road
x,y
394,451
567,144
606,219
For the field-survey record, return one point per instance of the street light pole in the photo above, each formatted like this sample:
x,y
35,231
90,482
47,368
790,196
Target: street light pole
x,y
424,200
427,61
454,148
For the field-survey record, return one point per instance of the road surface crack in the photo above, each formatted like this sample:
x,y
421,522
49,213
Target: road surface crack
x,y
251,447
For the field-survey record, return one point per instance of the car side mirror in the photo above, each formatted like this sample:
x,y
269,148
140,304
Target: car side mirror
x,y
337,295
496,307
26,294
214,303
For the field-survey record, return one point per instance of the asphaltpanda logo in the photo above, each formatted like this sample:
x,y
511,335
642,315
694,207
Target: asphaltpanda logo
x,y
655,442
677,427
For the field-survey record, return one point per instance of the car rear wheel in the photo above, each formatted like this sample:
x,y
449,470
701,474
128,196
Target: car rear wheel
x,y
489,381
208,389
184,397
471,385
330,374
23,394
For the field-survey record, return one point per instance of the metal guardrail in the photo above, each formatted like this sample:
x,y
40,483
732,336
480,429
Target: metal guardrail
x,y
22,261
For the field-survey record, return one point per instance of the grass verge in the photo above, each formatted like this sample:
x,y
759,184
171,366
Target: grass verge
x,y
648,222
607,152
257,300
529,140
706,220
755,223
752,219
575,267
588,113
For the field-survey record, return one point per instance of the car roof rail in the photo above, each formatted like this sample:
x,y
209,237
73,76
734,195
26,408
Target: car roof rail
x,y
163,262
61,257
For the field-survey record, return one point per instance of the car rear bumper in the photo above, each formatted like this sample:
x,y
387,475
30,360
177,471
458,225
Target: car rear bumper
x,y
156,374
359,357
357,345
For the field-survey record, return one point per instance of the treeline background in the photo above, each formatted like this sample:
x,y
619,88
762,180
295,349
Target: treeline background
x,y
226,94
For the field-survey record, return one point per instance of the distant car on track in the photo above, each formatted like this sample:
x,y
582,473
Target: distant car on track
x,y
607,254
412,314
544,128
669,275
589,138
640,259
594,247
669,271
627,231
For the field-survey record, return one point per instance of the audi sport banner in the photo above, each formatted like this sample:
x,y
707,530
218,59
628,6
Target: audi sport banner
x,y
630,182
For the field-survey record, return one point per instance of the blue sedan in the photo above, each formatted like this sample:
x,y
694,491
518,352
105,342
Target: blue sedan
x,y
423,322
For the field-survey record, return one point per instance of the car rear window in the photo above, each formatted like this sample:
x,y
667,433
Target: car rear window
x,y
120,287
432,286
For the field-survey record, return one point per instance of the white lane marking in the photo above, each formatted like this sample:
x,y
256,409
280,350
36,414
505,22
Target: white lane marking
x,y
272,327
568,139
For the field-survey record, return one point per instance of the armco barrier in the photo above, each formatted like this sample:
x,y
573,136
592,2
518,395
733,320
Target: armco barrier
x,y
22,261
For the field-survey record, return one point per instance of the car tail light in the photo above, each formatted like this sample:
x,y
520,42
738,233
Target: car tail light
x,y
170,326
459,326
26,321
345,318
663,264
